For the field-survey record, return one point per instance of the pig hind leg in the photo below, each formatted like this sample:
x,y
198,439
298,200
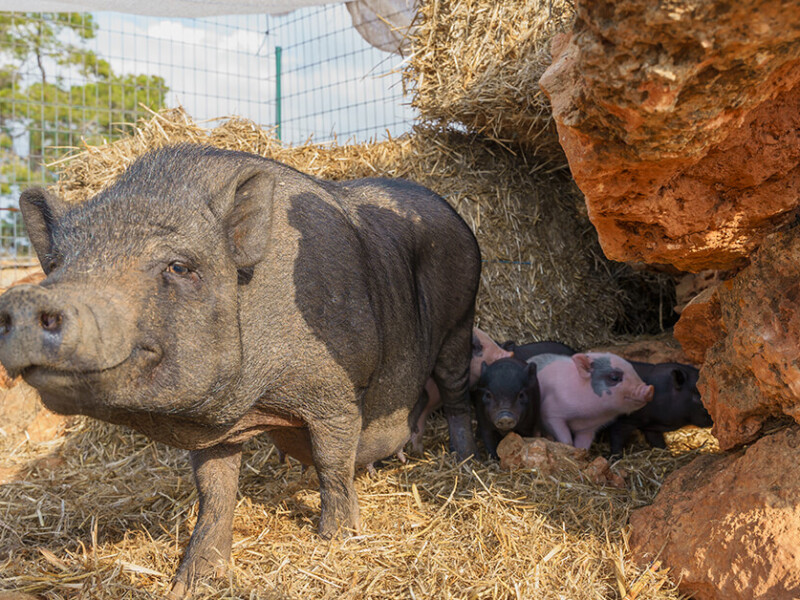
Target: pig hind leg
x,y
451,374
334,443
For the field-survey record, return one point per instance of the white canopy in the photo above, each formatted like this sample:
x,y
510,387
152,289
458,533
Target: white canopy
x,y
383,23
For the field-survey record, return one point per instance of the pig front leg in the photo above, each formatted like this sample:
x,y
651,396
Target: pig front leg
x,y
491,438
655,439
216,475
618,433
560,431
583,439
334,443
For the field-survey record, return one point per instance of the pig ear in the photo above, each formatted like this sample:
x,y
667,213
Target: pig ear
x,y
584,364
41,210
678,378
531,370
245,210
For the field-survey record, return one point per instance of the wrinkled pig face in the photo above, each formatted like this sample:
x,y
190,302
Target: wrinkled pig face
x,y
139,308
614,380
508,393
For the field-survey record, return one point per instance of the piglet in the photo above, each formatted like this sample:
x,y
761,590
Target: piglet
x,y
526,351
583,392
676,403
506,399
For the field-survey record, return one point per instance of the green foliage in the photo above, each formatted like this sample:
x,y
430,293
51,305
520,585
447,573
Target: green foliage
x,y
54,115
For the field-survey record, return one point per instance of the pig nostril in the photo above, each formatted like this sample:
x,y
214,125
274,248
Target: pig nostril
x,y
50,321
5,323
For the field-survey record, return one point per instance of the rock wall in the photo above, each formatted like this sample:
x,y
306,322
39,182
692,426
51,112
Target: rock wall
x,y
729,526
747,331
681,123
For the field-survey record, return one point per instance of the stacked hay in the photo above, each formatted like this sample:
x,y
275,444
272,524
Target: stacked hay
x,y
544,274
478,63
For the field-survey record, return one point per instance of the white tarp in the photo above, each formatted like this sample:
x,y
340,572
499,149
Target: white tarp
x,y
163,8
383,23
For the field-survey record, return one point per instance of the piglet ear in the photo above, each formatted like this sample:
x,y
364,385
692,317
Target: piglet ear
x,y
477,347
246,211
41,210
584,364
678,378
531,370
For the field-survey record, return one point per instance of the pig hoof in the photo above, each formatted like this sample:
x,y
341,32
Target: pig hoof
x,y
179,590
371,469
401,456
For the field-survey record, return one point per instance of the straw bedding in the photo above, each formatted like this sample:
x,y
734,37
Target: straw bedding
x,y
544,274
104,513
478,63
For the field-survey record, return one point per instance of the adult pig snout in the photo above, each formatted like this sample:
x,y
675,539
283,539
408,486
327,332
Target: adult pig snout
x,y
35,327
51,327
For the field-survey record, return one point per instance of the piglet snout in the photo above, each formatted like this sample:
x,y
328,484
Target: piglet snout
x,y
642,395
505,421
649,392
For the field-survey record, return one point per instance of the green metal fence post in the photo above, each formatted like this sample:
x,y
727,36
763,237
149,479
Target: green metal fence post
x,y
278,51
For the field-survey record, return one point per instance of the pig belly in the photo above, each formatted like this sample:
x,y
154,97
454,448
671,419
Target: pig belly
x,y
383,437
380,439
294,442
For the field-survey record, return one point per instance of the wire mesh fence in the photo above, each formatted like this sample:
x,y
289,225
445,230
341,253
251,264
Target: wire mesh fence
x,y
66,79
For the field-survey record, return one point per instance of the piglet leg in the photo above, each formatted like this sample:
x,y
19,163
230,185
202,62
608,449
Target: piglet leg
x,y
216,475
655,439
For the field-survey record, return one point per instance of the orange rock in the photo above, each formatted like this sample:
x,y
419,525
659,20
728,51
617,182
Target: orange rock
x,y
599,472
728,526
682,130
548,457
751,374
554,458
700,325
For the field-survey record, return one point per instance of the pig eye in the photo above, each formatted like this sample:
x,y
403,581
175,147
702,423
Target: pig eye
x,y
487,397
178,268
613,377
182,270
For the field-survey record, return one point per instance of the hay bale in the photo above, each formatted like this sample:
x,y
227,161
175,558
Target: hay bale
x,y
478,63
544,274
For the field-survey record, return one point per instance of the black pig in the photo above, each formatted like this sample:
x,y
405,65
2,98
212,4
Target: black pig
x,y
210,295
676,403
506,399
526,351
